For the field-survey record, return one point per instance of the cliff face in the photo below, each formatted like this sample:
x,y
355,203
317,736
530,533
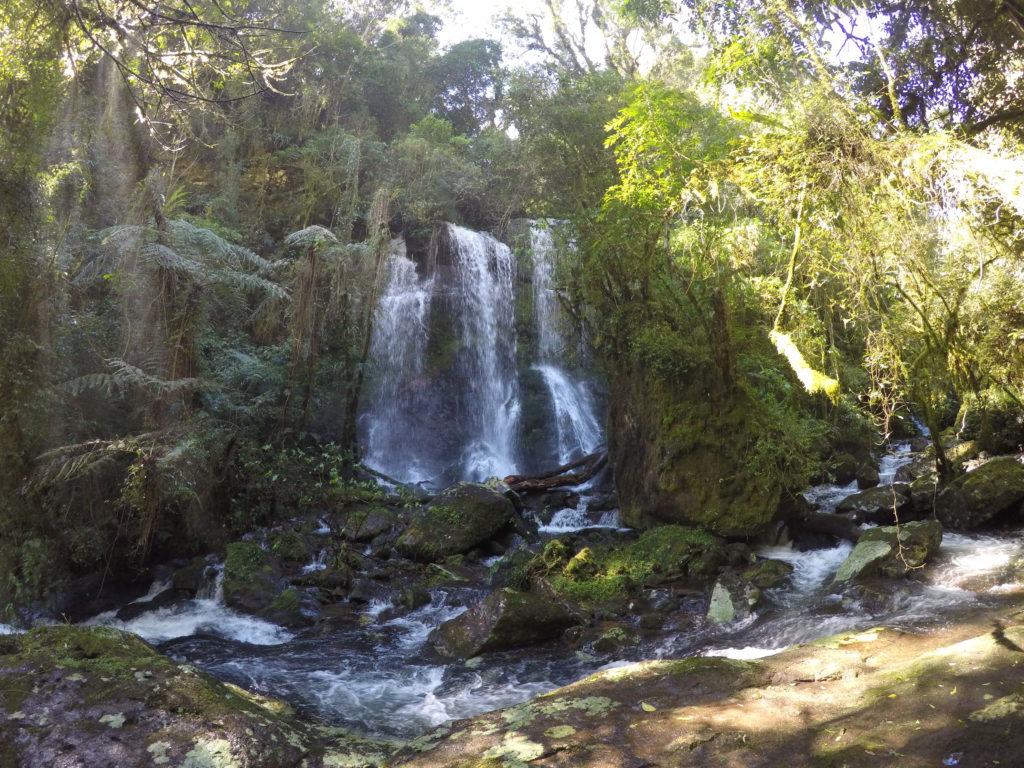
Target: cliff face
x,y
681,455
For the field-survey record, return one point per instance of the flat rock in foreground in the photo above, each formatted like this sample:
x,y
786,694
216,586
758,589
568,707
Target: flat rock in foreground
x,y
874,698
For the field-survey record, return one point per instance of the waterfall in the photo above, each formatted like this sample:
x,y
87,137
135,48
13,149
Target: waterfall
x,y
577,427
453,364
484,305
444,404
396,405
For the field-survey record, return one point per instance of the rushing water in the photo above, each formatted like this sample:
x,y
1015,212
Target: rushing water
x,y
445,398
378,674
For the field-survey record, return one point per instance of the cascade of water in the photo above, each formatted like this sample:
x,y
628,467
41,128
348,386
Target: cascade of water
x,y
444,400
484,304
399,346
578,429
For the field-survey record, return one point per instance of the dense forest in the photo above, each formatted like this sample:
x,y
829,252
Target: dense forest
x,y
790,234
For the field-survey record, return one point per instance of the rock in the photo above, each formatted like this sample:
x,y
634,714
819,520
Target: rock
x,y
844,468
80,696
891,551
877,505
251,577
370,524
732,598
767,574
866,476
860,699
460,518
506,619
193,577
166,598
290,547
994,488
293,608
614,640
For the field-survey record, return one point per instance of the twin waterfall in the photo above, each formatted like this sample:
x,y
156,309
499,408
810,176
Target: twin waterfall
x,y
474,374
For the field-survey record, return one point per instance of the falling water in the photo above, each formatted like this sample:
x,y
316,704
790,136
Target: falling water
x,y
577,427
444,403
483,303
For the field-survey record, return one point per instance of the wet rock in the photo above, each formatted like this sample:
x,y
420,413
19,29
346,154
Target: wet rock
x,y
615,640
367,525
878,505
79,696
460,518
844,468
193,577
604,503
252,578
866,476
166,598
290,547
891,551
733,597
974,499
506,619
293,608
767,574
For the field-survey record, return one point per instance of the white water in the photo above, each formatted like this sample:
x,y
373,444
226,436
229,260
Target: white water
x,y
204,615
577,426
578,430
486,313
399,347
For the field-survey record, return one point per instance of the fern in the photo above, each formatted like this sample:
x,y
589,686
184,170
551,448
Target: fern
x,y
314,236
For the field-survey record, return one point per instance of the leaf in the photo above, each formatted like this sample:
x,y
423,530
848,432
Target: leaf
x,y
648,707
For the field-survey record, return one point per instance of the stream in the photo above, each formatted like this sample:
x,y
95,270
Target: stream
x,y
382,678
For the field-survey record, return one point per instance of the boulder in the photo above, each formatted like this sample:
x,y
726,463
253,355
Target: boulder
x,y
878,505
732,598
891,551
766,574
506,619
994,488
77,696
460,518
252,578
867,476
615,640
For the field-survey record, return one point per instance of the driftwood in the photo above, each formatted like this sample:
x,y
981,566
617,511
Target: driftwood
x,y
561,476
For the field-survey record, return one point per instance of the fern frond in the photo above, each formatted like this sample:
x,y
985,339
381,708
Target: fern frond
x,y
313,236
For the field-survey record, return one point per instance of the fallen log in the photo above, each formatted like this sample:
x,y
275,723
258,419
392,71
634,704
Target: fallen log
x,y
588,466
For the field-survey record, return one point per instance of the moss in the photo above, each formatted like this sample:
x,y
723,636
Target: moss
x,y
290,547
599,579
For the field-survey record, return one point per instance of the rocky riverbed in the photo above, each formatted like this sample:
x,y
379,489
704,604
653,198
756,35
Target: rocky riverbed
x,y
392,618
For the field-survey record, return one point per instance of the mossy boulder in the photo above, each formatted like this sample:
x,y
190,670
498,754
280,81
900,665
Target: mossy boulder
x,y
732,598
293,608
506,619
880,505
993,489
891,551
290,547
767,573
680,450
601,578
460,518
101,697
252,578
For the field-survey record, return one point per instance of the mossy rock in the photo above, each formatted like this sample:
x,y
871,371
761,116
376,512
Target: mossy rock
x,y
292,608
600,579
460,518
732,598
880,505
766,574
506,619
105,697
251,577
290,547
891,551
976,498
